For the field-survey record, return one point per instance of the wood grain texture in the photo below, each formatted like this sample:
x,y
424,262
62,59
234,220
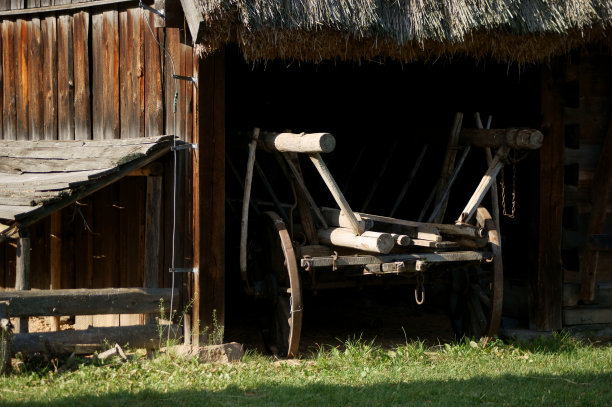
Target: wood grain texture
x,y
548,295
211,99
82,102
132,74
65,78
154,107
9,118
21,79
49,77
35,75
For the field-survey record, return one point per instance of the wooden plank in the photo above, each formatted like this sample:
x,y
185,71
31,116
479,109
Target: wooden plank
x,y
85,143
9,113
85,301
34,165
35,80
154,107
82,107
131,78
93,339
587,315
546,285
65,78
98,66
521,139
49,77
21,79
153,231
110,34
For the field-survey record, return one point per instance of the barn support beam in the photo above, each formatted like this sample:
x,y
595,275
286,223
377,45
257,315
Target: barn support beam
x,y
22,273
209,196
546,284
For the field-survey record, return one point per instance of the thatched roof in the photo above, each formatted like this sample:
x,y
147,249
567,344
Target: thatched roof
x,y
312,30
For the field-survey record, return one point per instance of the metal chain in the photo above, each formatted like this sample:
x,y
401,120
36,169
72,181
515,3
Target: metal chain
x,y
503,188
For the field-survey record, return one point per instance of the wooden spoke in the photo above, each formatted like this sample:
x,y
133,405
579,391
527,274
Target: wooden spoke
x,y
476,295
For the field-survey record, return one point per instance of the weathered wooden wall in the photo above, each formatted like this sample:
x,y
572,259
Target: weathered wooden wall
x,y
98,73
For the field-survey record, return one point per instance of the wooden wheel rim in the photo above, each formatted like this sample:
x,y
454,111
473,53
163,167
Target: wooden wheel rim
x,y
295,290
484,220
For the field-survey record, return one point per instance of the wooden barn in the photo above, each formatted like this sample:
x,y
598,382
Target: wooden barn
x,y
125,129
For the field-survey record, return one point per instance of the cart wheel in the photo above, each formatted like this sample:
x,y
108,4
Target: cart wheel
x,y
477,292
277,262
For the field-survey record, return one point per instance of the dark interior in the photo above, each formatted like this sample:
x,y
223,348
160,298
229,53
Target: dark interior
x,y
381,115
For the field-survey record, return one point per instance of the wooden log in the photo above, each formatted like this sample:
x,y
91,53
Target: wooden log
x,y
299,143
494,195
93,339
337,218
468,231
401,240
86,301
368,241
600,189
357,224
5,338
297,176
22,275
244,221
485,183
517,138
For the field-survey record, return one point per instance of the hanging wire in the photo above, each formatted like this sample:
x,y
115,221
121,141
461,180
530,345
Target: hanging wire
x,y
174,156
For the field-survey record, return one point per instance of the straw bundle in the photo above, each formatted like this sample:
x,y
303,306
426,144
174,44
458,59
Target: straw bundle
x,y
313,30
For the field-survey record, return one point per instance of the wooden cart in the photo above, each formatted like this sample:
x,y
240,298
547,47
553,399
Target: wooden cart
x,y
340,245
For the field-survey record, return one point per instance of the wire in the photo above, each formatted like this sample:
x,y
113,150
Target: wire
x,y
174,156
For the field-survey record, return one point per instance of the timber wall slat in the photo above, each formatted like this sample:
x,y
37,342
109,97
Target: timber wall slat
x,y
98,74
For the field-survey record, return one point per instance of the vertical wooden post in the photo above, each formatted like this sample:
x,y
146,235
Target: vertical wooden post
x,y
209,194
547,284
152,235
5,338
22,274
55,259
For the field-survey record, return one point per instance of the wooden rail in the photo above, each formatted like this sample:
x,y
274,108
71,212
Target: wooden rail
x,y
86,301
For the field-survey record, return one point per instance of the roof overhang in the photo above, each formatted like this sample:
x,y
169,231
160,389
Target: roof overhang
x,y
41,177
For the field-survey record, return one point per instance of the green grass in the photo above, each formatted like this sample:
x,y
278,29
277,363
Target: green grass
x,y
558,372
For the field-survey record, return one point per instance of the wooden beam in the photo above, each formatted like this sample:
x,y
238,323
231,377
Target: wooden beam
x,y
520,139
210,136
22,275
5,338
546,285
82,301
153,234
94,339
